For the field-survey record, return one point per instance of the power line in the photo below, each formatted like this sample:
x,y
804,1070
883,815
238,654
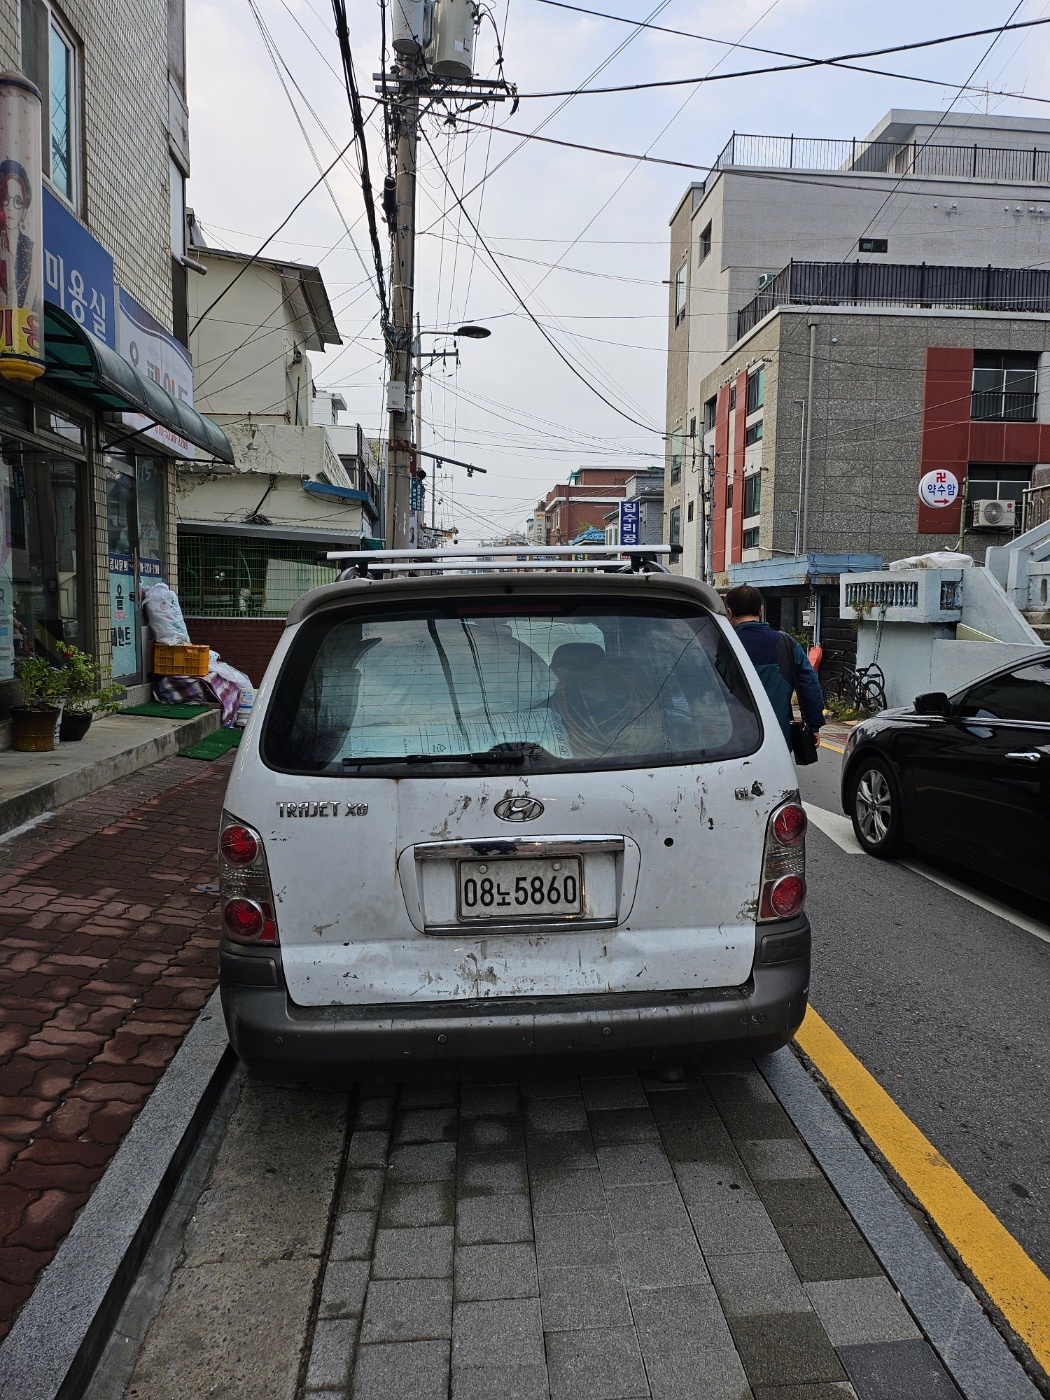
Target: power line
x,y
838,60
524,306
802,60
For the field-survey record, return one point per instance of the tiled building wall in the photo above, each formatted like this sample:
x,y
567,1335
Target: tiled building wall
x,y
9,36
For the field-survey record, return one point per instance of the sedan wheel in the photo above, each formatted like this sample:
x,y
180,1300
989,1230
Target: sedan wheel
x,y
875,809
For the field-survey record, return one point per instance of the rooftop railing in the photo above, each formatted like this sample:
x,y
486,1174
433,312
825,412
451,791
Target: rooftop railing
x,y
1009,289
1014,165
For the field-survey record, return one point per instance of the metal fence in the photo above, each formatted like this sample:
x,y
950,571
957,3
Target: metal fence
x,y
233,576
976,162
900,284
1036,506
891,594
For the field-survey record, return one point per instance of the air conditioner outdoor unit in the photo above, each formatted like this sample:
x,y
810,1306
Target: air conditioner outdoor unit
x,y
994,515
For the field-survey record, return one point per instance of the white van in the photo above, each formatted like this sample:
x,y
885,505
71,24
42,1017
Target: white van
x,y
504,815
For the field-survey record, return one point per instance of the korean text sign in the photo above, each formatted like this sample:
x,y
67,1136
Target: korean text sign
x,y
78,272
144,343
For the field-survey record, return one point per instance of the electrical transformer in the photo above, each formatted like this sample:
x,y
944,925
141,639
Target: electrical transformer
x,y
451,51
407,18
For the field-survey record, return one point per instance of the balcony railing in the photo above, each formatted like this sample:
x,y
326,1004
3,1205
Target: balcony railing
x,y
895,593
888,284
1036,506
973,162
1001,406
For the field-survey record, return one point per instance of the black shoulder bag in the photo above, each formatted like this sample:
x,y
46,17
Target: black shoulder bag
x,y
803,744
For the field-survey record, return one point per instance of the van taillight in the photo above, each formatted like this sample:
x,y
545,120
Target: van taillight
x,y
244,884
783,890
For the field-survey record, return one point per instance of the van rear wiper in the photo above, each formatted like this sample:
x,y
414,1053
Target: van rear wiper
x,y
507,754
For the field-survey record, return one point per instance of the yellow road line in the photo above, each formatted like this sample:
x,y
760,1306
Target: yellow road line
x,y
1010,1278
827,744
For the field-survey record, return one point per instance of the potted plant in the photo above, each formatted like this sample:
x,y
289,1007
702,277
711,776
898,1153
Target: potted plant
x,y
34,723
85,694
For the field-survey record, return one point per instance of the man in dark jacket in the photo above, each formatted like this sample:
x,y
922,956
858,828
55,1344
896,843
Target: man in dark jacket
x,y
782,666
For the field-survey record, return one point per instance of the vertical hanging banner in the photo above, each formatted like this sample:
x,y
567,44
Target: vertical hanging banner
x,y
21,231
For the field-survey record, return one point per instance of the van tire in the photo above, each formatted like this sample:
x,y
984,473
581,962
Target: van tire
x,y
875,808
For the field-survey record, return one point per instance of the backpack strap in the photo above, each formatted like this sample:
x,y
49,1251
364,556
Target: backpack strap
x,y
786,658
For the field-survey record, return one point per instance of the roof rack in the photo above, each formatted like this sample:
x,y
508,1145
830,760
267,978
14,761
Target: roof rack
x,y
361,563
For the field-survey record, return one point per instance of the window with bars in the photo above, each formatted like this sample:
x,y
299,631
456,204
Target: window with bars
x,y
236,576
1004,386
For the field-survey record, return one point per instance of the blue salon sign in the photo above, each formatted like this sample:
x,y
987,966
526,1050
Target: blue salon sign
x,y
78,272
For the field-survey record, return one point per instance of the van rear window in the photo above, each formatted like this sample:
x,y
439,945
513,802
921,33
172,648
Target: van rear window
x,y
601,685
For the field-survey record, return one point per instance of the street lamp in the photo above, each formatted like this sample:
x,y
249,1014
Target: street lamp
x,y
467,332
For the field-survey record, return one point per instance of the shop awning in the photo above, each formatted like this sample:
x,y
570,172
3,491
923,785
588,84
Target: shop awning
x,y
85,367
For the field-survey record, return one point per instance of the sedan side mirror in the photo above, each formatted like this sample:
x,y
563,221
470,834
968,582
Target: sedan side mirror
x,y
933,702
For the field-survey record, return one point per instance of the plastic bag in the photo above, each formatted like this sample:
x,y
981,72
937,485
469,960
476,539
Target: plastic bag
x,y
164,615
243,683
936,559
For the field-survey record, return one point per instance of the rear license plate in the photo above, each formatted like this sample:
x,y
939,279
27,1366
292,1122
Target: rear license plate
x,y
520,889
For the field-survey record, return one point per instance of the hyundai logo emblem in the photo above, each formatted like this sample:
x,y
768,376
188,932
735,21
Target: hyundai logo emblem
x,y
518,809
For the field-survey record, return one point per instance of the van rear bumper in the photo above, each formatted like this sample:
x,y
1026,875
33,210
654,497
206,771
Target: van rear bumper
x,y
271,1033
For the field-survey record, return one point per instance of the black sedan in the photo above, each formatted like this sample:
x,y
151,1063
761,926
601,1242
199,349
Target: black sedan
x,y
966,776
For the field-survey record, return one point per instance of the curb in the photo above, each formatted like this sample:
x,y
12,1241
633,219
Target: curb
x,y
98,773
948,1313
57,1338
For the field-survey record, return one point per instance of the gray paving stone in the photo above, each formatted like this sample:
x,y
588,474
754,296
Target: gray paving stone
x,y
494,1220
428,1094
421,1125
327,1394
425,1252
567,1193
500,1382
664,1259
492,1133
785,1348
624,1091
620,1125
550,1088
374,1113
392,1371
704,1182
362,1190
750,1285
734,1222
561,1115
604,1364
575,1241
432,1161
898,1371
833,1250
665,1315
503,1333
682,1370
376,1089
572,1299
574,1150
343,1292
485,1272
368,1148
331,1354
353,1235
682,1105
481,1100
407,1310
778,1159
860,1311
704,1140
834,1390
418,1203
634,1164
491,1173
655,1207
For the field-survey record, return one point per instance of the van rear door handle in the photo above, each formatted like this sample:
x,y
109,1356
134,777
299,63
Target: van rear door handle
x,y
1028,756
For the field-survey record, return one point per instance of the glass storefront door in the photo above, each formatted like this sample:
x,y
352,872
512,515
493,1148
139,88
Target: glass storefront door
x,y
122,527
41,596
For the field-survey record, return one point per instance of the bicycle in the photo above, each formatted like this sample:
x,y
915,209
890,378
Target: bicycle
x,y
862,689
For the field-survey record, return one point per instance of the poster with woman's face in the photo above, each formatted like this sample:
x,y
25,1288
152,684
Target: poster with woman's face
x,y
21,230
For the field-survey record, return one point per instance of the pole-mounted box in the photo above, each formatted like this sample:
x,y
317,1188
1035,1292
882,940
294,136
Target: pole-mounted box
x,y
451,50
408,20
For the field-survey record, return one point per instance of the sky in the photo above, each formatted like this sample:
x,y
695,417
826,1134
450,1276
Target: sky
x,y
581,236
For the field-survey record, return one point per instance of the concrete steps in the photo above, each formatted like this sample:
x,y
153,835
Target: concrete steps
x,y
1040,621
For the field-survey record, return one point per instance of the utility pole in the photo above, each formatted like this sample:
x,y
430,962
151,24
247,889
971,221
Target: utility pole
x,y
405,117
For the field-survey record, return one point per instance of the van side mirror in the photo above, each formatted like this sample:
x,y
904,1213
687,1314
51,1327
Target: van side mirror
x,y
933,702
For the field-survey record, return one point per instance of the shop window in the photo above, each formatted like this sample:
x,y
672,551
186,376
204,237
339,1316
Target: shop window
x,y
750,539
120,523
41,602
756,389
753,433
752,494
50,58
680,295
1004,386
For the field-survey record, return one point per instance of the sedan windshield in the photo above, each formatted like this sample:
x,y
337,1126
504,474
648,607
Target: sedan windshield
x,y
556,686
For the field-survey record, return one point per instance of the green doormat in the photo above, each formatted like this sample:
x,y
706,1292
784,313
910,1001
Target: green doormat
x,y
158,711
213,745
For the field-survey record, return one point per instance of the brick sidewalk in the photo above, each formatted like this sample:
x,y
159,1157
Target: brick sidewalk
x,y
107,954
